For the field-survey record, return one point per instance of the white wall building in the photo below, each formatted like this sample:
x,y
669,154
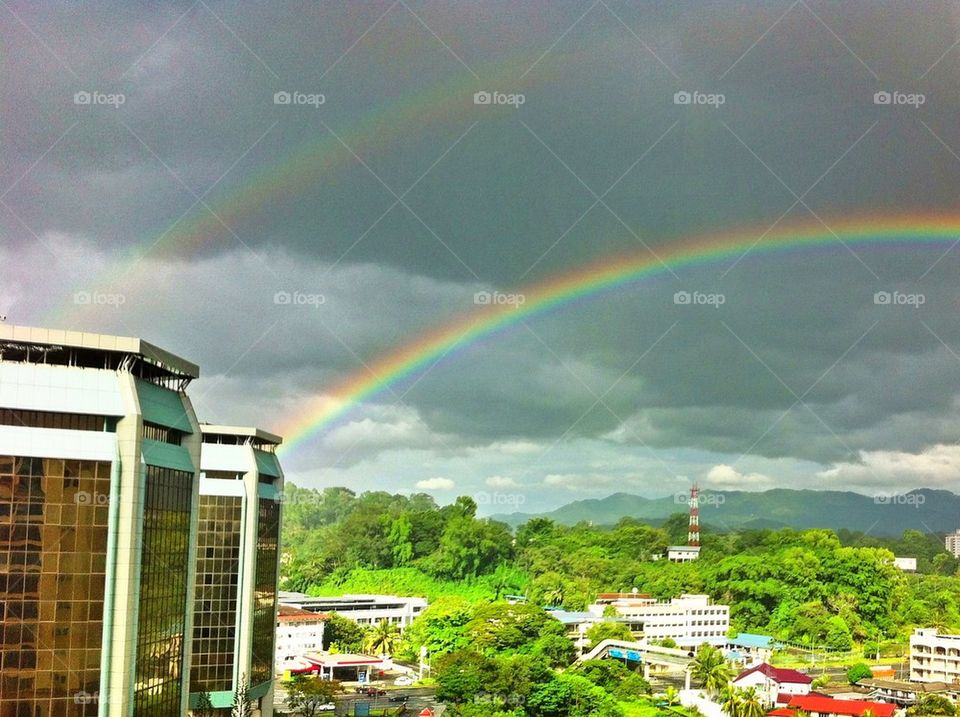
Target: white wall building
x,y
770,682
952,543
934,657
683,553
365,610
298,632
689,620
908,565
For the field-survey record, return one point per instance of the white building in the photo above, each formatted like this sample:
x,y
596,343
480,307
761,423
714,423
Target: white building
x,y
298,632
689,620
907,565
775,684
934,657
365,610
683,553
952,543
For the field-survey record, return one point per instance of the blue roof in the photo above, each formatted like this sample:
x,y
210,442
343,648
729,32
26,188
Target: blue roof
x,y
746,639
568,617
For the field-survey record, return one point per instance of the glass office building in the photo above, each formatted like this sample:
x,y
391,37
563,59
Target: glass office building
x,y
237,562
99,480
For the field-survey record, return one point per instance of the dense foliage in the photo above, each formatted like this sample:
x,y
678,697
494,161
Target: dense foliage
x,y
810,587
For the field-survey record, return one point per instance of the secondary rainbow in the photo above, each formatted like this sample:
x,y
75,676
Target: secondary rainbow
x,y
336,402
318,160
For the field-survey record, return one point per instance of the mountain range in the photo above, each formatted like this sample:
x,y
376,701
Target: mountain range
x,y
926,510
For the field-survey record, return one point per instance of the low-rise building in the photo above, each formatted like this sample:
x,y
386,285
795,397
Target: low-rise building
x,y
934,657
298,632
907,565
776,685
683,553
821,706
750,649
689,620
364,610
908,693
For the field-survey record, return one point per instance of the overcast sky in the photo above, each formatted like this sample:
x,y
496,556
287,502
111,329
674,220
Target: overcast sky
x,y
148,168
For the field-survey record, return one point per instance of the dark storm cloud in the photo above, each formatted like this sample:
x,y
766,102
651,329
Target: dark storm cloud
x,y
445,197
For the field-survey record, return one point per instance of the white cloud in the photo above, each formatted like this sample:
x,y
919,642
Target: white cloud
x,y
725,476
502,482
936,466
436,484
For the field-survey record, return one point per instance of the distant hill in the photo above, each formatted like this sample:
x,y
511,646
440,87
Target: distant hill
x,y
925,510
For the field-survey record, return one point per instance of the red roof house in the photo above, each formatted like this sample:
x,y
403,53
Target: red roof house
x,y
775,674
820,706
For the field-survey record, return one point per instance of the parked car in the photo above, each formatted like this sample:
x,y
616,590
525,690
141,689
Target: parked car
x,y
329,707
371,691
403,681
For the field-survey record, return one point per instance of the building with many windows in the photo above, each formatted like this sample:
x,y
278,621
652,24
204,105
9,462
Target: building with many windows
x,y
934,657
237,561
952,543
99,476
298,632
689,620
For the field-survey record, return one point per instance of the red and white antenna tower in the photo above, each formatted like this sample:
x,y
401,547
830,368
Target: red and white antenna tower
x,y
693,537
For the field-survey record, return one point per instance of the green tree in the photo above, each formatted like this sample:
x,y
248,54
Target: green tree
x,y
731,701
710,669
204,706
572,695
932,706
751,704
608,630
381,638
306,695
859,671
343,633
462,675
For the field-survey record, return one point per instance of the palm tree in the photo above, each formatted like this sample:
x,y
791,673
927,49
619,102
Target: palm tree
x,y
671,696
711,669
751,705
730,701
381,638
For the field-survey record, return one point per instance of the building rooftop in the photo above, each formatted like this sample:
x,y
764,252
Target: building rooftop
x,y
18,342
288,613
850,708
258,435
749,640
778,674
905,686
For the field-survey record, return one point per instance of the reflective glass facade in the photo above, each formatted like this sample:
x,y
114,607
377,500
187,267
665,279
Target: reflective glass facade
x,y
53,543
265,595
215,615
163,592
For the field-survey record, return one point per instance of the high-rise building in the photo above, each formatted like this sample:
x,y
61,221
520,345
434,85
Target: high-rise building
x,y
237,562
952,543
99,477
